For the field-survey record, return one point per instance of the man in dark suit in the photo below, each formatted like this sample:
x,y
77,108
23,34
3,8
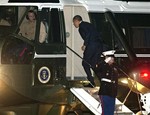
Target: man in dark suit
x,y
92,46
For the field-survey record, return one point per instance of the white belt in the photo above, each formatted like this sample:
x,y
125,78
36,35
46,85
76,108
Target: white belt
x,y
107,80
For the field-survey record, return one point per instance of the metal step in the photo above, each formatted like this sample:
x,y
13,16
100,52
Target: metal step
x,y
89,97
90,102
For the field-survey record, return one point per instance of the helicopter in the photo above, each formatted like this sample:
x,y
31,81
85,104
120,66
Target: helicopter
x,y
38,82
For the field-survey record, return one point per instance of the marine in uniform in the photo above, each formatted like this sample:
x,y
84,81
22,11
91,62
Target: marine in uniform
x,y
108,77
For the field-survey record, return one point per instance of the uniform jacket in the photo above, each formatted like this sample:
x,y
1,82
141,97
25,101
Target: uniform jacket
x,y
104,70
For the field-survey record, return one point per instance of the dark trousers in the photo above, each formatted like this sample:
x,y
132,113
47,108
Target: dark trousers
x,y
91,56
108,104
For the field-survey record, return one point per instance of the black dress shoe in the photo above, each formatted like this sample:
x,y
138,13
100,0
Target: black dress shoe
x,y
89,85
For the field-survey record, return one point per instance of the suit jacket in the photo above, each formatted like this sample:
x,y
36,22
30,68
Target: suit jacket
x,y
88,33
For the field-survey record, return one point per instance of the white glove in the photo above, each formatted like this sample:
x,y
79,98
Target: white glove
x,y
107,59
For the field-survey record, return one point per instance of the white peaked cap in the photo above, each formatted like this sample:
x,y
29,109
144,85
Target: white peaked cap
x,y
107,53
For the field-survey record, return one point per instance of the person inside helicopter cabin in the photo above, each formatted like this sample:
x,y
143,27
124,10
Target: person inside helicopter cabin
x,y
27,29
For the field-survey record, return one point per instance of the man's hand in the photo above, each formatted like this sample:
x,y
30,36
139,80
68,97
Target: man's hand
x,y
83,47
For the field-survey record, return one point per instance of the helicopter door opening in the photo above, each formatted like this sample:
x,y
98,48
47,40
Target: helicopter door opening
x,y
50,53
74,41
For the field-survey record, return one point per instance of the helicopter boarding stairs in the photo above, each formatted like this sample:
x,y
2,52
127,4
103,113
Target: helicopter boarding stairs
x,y
89,97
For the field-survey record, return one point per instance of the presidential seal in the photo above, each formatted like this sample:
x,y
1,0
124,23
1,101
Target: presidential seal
x,y
44,74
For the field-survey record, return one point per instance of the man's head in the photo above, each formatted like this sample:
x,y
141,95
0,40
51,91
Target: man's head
x,y
77,20
31,16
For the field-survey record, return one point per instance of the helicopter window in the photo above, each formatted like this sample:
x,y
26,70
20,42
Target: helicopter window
x,y
8,16
55,27
141,35
15,48
54,41
16,51
8,19
44,27
50,26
